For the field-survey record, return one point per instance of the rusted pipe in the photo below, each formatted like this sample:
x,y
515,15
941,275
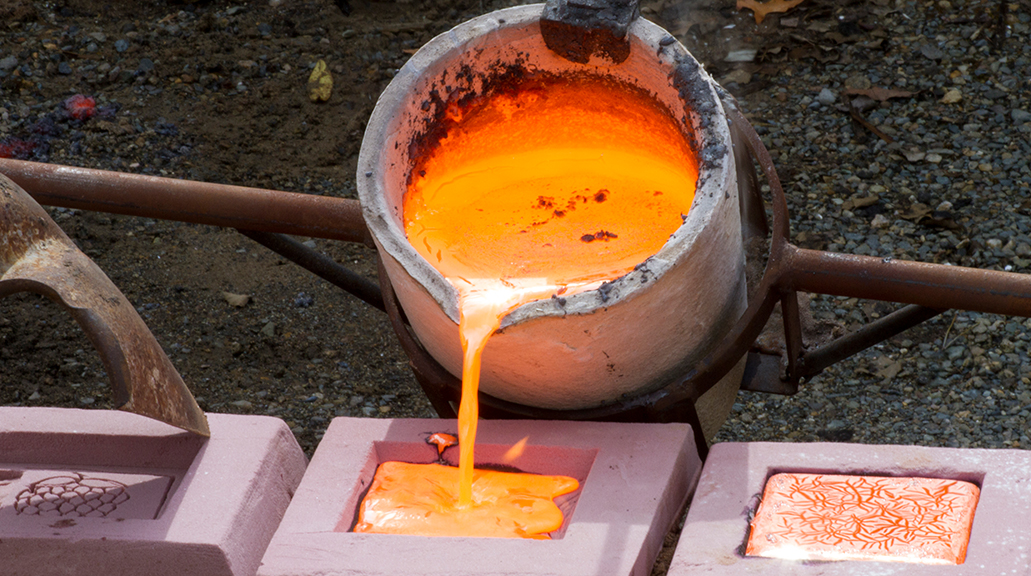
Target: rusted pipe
x,y
320,265
188,201
931,285
875,332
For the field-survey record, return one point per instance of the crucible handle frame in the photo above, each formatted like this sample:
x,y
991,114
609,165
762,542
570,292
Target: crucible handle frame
x,y
928,289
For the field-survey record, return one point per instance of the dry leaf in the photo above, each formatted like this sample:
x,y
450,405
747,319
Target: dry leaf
x,y
887,368
915,212
941,219
740,76
236,300
320,83
822,26
952,96
865,201
768,7
880,94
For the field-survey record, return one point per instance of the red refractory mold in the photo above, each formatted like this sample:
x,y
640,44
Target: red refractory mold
x,y
635,478
716,532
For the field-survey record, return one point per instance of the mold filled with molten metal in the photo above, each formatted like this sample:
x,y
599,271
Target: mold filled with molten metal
x,y
548,189
416,499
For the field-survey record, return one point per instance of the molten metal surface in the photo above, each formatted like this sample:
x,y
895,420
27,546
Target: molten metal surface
x,y
575,183
420,499
838,517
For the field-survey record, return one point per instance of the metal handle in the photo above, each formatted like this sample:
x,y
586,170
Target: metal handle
x,y
36,256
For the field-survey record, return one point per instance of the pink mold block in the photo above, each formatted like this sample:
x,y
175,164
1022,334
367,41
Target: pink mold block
x,y
714,536
113,493
635,478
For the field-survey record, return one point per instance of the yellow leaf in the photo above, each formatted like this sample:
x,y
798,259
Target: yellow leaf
x,y
236,300
320,83
762,9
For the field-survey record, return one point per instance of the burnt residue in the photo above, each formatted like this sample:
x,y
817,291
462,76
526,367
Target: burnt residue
x,y
605,289
697,96
642,268
447,100
548,204
602,235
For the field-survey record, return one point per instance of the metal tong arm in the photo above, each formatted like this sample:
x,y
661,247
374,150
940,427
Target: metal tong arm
x,y
36,256
222,205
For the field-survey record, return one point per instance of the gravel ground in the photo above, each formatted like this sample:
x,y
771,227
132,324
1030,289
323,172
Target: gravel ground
x,y
936,170
951,187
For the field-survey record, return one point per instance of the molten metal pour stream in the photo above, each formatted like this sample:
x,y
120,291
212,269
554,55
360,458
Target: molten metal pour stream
x,y
546,192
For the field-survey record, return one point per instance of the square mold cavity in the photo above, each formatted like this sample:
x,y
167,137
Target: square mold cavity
x,y
635,478
114,493
717,527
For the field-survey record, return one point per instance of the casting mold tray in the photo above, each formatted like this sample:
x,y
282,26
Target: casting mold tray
x,y
635,479
114,493
714,536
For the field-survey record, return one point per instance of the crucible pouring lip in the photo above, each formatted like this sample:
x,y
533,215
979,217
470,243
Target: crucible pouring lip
x,y
439,73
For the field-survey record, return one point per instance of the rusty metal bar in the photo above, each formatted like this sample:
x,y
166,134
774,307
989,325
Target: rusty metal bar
x,y
792,334
873,333
187,201
320,265
932,285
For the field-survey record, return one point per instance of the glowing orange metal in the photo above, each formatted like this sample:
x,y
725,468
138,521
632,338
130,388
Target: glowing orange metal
x,y
442,440
839,517
550,189
421,500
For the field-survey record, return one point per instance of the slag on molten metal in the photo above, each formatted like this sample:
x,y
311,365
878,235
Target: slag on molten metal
x,y
549,189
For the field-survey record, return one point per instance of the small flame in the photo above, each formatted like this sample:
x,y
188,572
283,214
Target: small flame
x,y
515,451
